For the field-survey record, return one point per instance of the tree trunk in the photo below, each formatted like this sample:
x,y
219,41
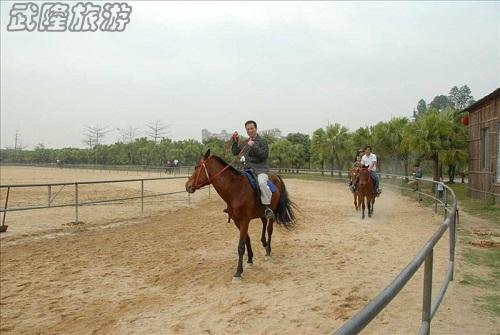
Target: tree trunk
x,y
436,166
451,173
406,167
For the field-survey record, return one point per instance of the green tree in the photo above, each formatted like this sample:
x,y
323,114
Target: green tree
x,y
282,152
440,102
319,149
305,141
460,98
421,108
455,153
337,142
387,138
428,136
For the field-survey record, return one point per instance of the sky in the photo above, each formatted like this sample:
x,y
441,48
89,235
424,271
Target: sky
x,y
296,66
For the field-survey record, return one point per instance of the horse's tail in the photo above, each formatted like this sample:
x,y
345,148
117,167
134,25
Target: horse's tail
x,y
285,214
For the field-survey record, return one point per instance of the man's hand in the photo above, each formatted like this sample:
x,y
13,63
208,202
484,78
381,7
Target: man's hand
x,y
251,143
234,137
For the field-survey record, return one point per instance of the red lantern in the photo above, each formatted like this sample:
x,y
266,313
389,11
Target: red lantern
x,y
465,120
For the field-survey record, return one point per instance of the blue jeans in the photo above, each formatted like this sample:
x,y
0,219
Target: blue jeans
x,y
375,179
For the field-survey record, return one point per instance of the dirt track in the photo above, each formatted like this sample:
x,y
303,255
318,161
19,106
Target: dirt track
x,y
170,273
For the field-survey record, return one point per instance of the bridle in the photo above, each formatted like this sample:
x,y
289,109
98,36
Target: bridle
x,y
363,169
209,180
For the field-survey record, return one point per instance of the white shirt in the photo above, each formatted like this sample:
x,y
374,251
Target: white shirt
x,y
367,160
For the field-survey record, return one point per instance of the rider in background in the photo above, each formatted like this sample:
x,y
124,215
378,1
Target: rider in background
x,y
356,165
369,159
256,152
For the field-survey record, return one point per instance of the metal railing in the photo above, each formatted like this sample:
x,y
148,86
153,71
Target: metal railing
x,y
77,203
426,255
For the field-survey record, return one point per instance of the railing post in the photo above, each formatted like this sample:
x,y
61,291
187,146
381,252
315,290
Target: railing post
x,y
418,189
76,202
427,296
453,235
189,198
445,202
436,199
142,196
49,195
5,207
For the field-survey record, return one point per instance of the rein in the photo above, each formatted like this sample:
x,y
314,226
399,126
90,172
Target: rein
x,y
210,179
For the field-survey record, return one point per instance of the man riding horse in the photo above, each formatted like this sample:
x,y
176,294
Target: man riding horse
x,y
369,160
255,153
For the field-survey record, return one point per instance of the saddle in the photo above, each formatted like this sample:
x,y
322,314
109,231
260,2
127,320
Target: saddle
x,y
252,179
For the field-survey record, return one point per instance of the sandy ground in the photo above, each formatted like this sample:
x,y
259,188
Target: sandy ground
x,y
170,272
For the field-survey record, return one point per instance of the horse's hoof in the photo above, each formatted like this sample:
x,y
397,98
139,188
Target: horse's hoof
x,y
236,280
268,258
250,265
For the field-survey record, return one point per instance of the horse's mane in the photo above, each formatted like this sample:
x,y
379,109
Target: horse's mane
x,y
223,162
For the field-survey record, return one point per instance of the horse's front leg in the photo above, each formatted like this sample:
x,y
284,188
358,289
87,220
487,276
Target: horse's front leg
x,y
363,207
263,236
241,250
356,200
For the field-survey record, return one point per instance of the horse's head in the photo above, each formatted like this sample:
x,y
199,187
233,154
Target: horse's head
x,y
199,178
354,173
364,175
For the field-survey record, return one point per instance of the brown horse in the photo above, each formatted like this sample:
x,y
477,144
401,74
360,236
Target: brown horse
x,y
365,190
242,202
352,179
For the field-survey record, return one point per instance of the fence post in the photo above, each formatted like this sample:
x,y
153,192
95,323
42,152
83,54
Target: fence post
x,y
49,195
427,296
436,200
418,189
142,196
445,202
76,202
189,198
453,236
5,207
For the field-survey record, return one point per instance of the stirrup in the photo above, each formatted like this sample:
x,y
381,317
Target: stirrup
x,y
268,213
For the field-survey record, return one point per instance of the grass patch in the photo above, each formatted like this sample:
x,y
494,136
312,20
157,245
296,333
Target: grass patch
x,y
484,257
473,280
489,258
491,303
486,209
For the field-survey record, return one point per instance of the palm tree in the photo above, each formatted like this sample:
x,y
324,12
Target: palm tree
x,y
428,136
337,137
319,147
455,153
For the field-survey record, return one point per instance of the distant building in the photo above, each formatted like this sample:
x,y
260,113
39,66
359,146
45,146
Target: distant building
x,y
273,132
484,146
223,135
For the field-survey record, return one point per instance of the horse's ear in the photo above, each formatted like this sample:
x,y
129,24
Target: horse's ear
x,y
206,154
